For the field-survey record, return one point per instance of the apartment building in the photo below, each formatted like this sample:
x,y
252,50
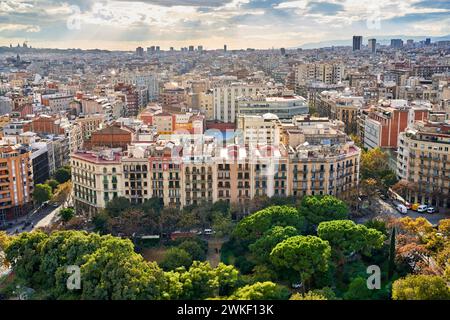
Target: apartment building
x,y
57,102
226,98
320,159
284,106
342,106
385,122
97,178
423,163
327,73
259,130
16,181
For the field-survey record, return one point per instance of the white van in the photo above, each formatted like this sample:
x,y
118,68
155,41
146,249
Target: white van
x,y
402,208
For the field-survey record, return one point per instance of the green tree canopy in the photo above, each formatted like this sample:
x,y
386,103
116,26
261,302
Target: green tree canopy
x,y
42,193
110,269
63,174
317,209
253,227
303,254
420,287
200,281
357,290
262,248
195,250
176,258
261,291
66,214
52,183
117,206
348,237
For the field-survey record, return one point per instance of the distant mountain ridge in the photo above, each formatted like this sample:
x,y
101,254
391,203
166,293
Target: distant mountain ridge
x,y
384,40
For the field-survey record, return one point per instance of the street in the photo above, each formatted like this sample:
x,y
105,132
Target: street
x,y
43,218
387,208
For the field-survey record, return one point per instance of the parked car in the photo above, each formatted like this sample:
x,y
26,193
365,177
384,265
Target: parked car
x,y
407,205
208,232
432,210
422,208
402,209
415,206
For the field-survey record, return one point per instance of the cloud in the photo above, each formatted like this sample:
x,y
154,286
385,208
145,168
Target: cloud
x,y
436,4
255,23
326,8
184,3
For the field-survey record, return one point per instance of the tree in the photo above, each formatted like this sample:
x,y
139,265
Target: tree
x,y
42,193
253,227
153,204
227,277
176,258
169,219
5,240
444,227
194,249
262,248
117,206
306,255
346,237
307,296
189,221
357,290
110,268
100,221
52,183
197,283
377,224
133,221
261,291
63,174
323,208
420,287
222,224
391,265
66,214
23,254
375,165
116,272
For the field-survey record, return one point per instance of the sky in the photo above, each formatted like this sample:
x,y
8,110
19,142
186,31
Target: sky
x,y
126,24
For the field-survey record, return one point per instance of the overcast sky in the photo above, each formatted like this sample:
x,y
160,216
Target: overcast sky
x,y
125,24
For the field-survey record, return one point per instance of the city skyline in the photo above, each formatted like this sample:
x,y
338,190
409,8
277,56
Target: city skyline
x,y
260,24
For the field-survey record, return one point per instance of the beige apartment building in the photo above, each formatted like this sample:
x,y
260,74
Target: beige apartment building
x,y
316,159
423,163
341,106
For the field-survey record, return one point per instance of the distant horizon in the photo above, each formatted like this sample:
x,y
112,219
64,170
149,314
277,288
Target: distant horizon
x,y
145,46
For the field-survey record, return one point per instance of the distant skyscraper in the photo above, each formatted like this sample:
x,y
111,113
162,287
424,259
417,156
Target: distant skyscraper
x,y
396,43
200,48
172,49
373,45
357,42
225,48
410,42
158,49
283,51
191,48
427,41
140,51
